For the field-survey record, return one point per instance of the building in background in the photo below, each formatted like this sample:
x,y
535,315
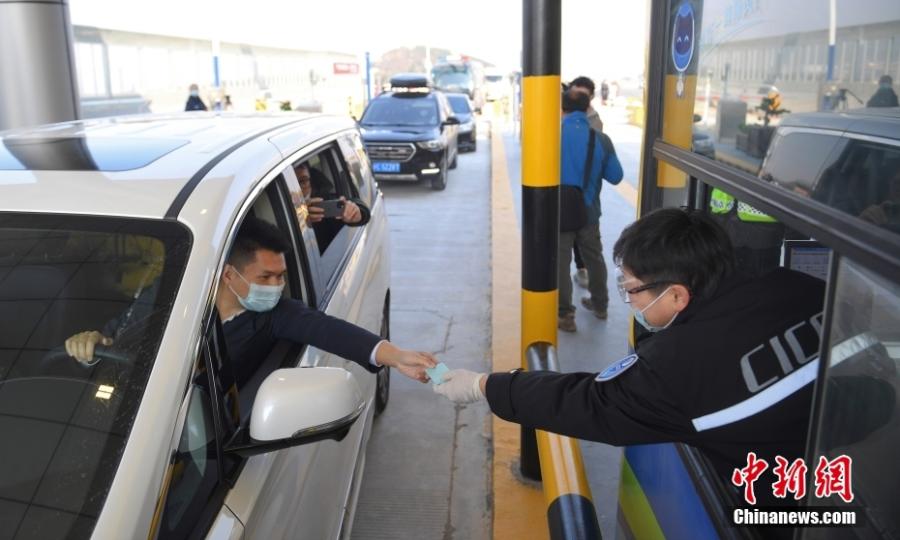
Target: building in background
x,y
123,72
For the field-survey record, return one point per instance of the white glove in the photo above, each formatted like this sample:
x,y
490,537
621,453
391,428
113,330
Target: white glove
x,y
461,386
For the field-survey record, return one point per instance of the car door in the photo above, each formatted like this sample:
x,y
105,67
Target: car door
x,y
353,272
298,492
451,132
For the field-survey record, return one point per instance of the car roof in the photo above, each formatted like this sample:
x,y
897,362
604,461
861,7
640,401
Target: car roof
x,y
66,167
880,122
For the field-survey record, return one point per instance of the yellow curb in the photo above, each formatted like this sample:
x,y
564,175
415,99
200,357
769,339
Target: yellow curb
x,y
520,511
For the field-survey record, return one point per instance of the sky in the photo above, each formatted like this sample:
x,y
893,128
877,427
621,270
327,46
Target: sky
x,y
602,38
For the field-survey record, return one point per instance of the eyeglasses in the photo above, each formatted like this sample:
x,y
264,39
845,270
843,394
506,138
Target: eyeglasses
x,y
624,292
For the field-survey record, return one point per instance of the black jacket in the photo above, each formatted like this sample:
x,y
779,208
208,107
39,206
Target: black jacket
x,y
252,335
194,103
731,375
883,97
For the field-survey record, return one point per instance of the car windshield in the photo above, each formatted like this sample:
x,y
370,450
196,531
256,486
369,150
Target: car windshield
x,y
448,76
65,424
460,104
401,111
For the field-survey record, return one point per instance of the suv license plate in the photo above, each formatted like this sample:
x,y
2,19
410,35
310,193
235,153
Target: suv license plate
x,y
385,167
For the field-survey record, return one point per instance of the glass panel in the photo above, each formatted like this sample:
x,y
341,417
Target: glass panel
x,y
861,414
757,62
401,111
68,421
195,469
354,154
863,180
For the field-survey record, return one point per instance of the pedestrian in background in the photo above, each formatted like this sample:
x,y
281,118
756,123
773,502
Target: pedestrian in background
x,y
586,158
194,103
884,96
585,85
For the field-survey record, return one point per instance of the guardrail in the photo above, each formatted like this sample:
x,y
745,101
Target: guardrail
x,y
556,461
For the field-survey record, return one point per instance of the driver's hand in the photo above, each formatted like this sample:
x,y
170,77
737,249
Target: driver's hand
x,y
352,213
410,363
314,213
81,346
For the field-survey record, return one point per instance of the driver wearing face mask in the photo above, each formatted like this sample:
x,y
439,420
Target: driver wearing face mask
x,y
255,316
725,365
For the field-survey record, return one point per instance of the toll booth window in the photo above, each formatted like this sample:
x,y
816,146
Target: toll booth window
x,y
860,417
745,74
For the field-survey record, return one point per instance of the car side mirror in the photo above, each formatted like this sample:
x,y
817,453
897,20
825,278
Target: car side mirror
x,y
450,121
297,406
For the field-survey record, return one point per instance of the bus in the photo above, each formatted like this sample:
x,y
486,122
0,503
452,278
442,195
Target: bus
x,y
751,76
464,77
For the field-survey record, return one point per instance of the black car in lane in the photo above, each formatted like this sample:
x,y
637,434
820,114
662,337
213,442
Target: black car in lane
x,y
410,132
464,110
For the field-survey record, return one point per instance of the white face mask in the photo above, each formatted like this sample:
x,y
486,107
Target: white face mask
x,y
639,314
261,297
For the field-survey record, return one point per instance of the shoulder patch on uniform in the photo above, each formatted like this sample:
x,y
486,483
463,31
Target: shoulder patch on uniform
x,y
617,368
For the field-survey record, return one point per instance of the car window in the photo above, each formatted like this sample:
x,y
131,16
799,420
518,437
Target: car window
x,y
401,111
863,180
320,178
194,471
795,160
861,412
59,276
358,166
194,488
459,104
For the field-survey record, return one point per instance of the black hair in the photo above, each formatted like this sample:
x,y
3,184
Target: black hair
x,y
256,234
885,79
575,101
584,82
673,245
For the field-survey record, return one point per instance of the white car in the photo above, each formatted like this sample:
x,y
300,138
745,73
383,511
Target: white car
x,y
128,221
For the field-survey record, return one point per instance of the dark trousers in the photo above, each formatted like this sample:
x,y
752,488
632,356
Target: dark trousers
x,y
579,262
588,240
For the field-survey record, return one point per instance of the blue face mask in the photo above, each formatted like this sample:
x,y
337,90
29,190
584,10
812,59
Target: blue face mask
x,y
639,315
260,297
195,93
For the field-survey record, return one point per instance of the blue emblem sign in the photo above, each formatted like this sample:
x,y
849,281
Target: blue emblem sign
x,y
617,368
683,37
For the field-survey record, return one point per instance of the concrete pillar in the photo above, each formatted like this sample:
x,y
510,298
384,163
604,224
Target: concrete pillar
x,y
37,64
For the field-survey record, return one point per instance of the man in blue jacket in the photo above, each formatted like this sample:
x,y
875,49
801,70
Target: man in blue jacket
x,y
575,137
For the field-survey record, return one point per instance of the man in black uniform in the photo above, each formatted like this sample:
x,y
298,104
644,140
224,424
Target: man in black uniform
x,y
727,367
255,316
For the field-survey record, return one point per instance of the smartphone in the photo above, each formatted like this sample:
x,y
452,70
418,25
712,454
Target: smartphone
x,y
333,208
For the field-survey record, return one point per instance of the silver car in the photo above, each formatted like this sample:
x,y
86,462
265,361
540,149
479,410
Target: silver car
x,y
127,222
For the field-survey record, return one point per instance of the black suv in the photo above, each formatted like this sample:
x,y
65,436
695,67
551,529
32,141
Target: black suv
x,y
410,132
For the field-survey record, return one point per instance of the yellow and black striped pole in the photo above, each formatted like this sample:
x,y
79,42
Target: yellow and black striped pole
x,y
553,458
540,172
540,187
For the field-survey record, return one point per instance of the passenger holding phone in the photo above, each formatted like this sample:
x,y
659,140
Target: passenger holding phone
x,y
326,212
353,212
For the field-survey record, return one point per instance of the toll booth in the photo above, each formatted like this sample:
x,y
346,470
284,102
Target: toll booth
x,y
816,187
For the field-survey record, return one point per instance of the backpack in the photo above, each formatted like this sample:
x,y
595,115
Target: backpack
x,y
572,208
